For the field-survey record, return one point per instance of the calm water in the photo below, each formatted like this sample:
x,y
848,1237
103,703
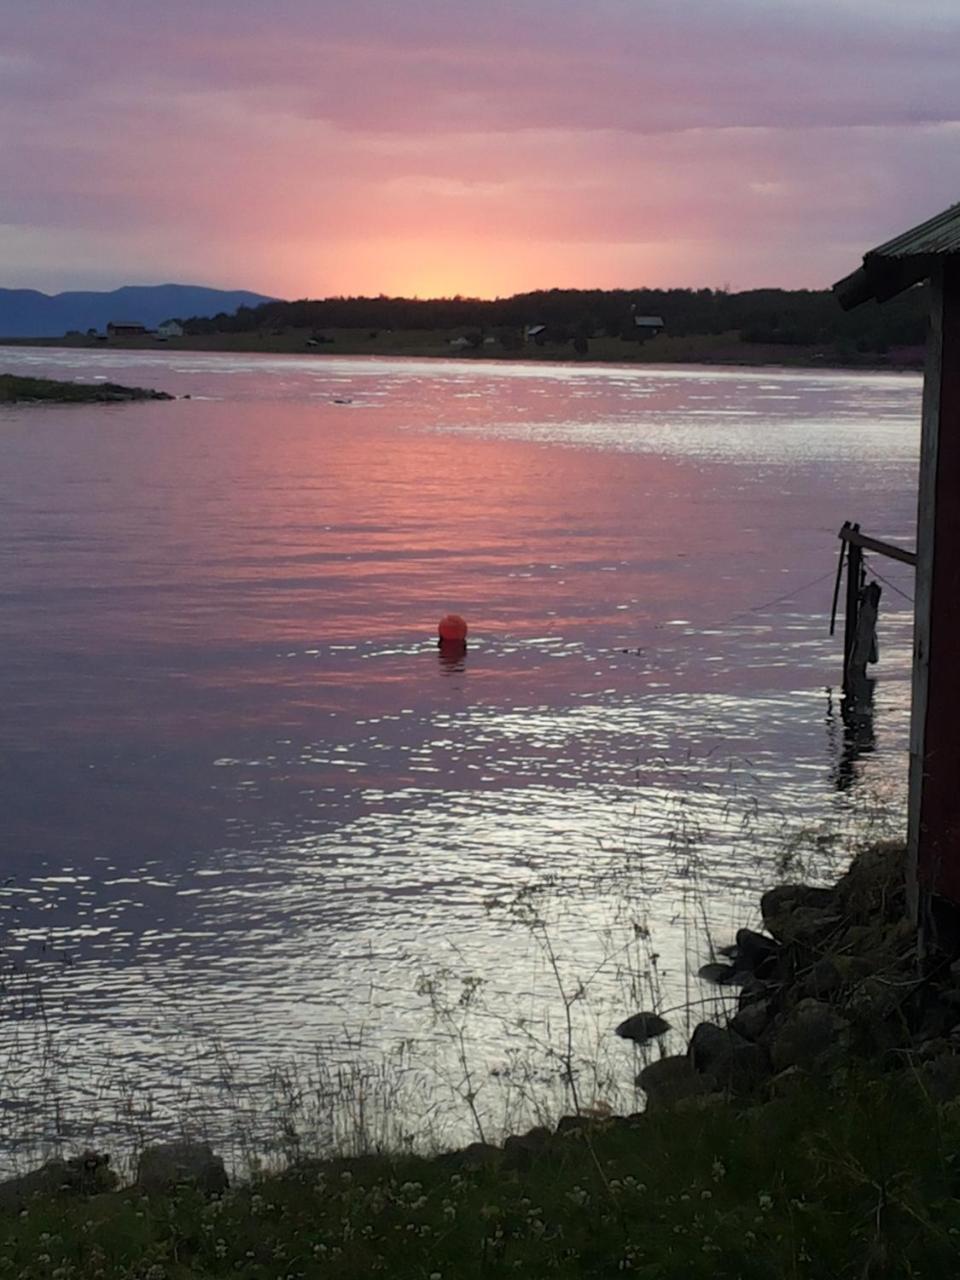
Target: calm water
x,y
245,800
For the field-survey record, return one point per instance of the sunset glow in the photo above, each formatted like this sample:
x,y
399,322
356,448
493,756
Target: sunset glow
x,y
311,148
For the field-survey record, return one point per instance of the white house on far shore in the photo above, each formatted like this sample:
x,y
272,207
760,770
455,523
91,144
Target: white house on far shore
x,y
170,329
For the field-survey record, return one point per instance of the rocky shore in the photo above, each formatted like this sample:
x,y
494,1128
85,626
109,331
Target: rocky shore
x,y
19,390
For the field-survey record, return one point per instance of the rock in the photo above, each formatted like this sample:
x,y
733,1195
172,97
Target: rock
x,y
728,1058
669,1080
831,974
788,897
722,974
642,1027
755,949
753,990
806,926
85,1175
941,1076
573,1124
521,1149
822,980
812,1034
478,1155
785,1081
799,913
172,1164
874,886
752,1020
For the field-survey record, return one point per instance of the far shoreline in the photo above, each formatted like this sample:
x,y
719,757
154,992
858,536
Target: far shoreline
x,y
714,351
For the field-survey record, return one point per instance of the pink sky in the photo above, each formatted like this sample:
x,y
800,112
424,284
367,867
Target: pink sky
x,y
314,147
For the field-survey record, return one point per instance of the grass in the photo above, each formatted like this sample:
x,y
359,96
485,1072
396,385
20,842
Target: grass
x,y
15,389
854,1180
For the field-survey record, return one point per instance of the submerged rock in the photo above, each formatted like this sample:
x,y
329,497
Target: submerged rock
x,y
642,1027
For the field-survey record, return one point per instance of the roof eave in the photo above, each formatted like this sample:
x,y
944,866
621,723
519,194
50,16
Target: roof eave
x,y
881,278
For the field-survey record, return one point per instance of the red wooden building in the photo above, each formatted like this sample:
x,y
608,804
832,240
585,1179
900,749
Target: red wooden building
x,y
931,252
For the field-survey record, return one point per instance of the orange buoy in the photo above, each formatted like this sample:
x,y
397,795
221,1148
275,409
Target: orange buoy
x,y
452,628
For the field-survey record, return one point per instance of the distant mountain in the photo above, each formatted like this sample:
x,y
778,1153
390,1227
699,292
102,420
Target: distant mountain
x,y
25,313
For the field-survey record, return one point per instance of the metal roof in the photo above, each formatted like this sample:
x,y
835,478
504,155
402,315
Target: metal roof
x,y
902,261
940,234
651,321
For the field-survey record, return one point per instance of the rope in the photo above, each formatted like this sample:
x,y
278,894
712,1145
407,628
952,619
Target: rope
x,y
788,595
892,585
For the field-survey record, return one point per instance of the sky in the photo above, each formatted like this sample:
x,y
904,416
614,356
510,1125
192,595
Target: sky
x,y
307,148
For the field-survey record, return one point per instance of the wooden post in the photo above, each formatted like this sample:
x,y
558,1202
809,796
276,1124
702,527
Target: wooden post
x,y
934,796
854,575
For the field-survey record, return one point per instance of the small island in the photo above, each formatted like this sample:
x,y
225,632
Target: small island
x,y
15,390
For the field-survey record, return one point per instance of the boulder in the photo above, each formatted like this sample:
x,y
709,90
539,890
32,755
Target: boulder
x,y
573,1124
788,897
521,1149
753,990
167,1165
85,1175
754,950
941,1077
811,1035
799,913
669,1080
833,973
729,1059
723,975
752,1020
477,1155
874,888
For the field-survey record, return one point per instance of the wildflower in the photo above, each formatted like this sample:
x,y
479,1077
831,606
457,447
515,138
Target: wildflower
x,y
719,1170
706,1195
765,1201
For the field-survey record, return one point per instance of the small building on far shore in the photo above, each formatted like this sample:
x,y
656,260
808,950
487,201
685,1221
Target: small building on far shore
x,y
170,329
647,326
126,329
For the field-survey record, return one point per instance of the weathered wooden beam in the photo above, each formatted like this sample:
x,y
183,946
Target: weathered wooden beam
x,y
852,610
934,817
852,534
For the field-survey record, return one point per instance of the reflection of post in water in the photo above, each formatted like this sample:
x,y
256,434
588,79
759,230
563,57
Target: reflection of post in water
x,y
453,655
858,736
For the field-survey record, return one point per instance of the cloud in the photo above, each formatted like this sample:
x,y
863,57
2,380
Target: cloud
x,y
294,140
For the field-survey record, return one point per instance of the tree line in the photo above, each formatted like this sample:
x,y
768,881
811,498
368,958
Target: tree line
x,y
787,316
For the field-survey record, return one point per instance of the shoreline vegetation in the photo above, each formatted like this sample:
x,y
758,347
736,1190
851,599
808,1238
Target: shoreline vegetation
x,y
814,1132
23,390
